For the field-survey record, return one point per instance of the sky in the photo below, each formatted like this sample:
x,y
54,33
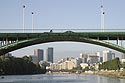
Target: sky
x,y
61,14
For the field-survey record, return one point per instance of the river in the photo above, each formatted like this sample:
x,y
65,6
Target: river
x,y
59,78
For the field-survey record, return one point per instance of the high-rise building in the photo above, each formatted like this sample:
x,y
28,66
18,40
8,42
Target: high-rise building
x,y
101,59
123,58
81,55
50,54
98,54
107,55
76,61
92,59
113,55
39,54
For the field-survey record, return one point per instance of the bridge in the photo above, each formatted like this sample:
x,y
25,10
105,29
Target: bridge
x,y
13,41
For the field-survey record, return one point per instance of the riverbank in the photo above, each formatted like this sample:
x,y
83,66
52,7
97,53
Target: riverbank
x,y
112,73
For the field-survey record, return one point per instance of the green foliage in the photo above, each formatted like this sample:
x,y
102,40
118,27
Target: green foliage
x,y
86,69
110,65
92,68
75,69
123,65
18,66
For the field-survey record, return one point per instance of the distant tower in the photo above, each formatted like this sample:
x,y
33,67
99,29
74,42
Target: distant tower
x,y
39,54
98,54
50,54
81,55
102,18
107,55
123,56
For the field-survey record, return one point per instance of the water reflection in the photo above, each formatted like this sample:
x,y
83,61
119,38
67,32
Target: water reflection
x,y
104,79
60,78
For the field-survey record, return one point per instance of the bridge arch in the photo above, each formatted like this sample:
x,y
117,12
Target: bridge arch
x,y
32,41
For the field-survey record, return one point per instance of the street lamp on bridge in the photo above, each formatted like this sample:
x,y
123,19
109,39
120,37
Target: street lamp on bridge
x,y
23,17
32,20
102,18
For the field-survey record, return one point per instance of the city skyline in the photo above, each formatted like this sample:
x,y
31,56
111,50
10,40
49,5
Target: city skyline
x,y
69,52
61,14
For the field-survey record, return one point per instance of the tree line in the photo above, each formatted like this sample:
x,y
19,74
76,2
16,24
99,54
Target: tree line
x,y
111,65
19,66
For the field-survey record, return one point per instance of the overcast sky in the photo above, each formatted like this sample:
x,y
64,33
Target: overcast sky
x,y
62,14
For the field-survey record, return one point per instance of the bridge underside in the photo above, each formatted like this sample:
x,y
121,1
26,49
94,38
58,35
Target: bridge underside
x,y
32,41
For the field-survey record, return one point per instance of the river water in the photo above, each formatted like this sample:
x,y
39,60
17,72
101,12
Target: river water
x,y
59,78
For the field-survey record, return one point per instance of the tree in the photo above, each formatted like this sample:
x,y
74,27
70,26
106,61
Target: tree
x,y
17,66
111,65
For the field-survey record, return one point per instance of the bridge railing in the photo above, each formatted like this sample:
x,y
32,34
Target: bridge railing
x,y
57,30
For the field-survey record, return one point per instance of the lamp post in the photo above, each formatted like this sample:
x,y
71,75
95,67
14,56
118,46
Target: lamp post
x,y
102,19
32,20
23,17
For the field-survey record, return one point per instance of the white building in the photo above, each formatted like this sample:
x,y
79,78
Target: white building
x,y
54,66
84,65
98,54
107,55
76,61
81,55
68,65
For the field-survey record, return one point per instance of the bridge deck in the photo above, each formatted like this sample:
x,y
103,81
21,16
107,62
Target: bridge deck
x,y
93,35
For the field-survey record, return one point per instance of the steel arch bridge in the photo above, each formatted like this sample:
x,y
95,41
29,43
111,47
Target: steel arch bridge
x,y
14,41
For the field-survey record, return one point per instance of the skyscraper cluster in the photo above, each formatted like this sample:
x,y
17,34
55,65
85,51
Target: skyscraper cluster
x,y
39,55
85,60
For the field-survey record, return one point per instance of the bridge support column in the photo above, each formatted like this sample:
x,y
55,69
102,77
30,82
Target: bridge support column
x,y
0,43
122,42
117,40
108,38
6,42
98,37
3,42
17,39
11,41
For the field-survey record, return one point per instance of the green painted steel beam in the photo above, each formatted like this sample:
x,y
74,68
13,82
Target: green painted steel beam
x,y
54,37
